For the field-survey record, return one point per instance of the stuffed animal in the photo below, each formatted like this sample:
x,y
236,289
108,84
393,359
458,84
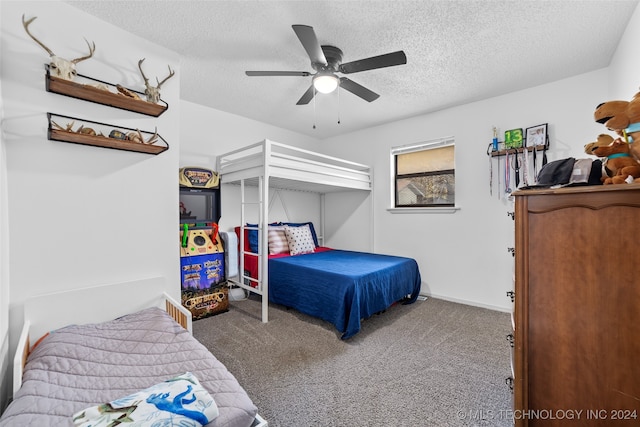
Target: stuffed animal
x,y
623,117
620,165
602,141
633,129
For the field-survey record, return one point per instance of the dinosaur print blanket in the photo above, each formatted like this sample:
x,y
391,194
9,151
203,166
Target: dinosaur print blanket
x,y
176,401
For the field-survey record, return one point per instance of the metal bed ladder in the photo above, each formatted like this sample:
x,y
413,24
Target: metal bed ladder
x,y
258,285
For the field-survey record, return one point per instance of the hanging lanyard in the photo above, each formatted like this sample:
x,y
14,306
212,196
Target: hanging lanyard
x,y
490,169
507,173
517,165
535,164
499,175
525,167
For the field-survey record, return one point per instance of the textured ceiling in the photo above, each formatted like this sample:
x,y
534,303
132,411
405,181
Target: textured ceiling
x,y
457,51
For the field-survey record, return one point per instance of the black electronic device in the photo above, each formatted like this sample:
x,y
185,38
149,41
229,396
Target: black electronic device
x,y
199,198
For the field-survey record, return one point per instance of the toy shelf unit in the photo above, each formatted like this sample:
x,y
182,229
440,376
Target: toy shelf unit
x,y
100,92
86,132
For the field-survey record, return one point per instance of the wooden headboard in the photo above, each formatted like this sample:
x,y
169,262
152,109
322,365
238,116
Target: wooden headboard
x,y
48,312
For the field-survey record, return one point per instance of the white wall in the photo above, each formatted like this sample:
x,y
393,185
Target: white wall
x,y
82,216
4,265
207,132
623,70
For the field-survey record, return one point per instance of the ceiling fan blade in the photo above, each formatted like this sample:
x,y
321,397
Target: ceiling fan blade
x,y
278,73
306,97
358,89
381,61
310,43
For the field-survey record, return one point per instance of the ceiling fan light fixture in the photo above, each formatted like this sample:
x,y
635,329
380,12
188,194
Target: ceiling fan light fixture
x,y
325,83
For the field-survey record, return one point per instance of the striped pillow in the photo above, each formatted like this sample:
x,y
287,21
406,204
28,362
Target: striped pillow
x,y
278,243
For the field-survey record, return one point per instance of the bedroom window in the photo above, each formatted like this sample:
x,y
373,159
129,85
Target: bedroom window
x,y
423,175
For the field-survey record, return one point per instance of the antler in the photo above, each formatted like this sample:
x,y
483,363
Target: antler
x,y
60,67
91,50
171,74
154,137
146,80
26,24
153,93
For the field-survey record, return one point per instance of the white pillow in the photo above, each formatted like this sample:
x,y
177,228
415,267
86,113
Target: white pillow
x,y
278,243
300,239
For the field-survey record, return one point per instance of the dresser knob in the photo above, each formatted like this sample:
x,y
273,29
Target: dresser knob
x,y
509,382
510,339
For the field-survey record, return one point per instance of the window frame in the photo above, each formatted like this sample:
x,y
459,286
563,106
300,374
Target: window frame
x,y
393,177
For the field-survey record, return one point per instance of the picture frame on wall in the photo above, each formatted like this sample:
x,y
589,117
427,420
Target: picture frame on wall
x,y
536,135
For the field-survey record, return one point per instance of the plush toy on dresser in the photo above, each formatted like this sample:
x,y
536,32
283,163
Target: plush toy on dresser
x,y
618,164
623,117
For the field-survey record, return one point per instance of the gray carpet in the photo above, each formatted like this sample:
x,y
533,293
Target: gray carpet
x,y
431,363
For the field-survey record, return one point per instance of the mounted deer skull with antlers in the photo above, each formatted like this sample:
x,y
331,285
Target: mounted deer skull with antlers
x,y
153,93
60,67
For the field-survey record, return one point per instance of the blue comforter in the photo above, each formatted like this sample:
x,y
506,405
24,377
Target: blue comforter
x,y
343,287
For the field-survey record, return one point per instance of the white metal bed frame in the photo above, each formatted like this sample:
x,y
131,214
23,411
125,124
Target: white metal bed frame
x,y
268,164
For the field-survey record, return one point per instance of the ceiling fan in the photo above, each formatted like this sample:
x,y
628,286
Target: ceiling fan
x,y
327,61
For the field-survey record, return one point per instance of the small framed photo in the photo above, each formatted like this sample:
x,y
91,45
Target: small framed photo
x,y
536,135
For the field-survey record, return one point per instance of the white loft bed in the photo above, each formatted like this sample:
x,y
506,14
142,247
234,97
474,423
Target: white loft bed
x,y
269,164
95,305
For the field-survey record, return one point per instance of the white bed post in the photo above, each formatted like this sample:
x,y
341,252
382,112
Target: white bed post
x,y
241,274
372,218
264,230
322,216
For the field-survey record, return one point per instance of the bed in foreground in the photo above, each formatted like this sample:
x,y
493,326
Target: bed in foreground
x,y
94,371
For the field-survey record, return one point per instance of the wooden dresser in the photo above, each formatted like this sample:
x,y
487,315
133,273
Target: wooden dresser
x,y
577,307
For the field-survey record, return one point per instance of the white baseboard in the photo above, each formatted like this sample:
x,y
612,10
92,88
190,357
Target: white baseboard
x,y
468,302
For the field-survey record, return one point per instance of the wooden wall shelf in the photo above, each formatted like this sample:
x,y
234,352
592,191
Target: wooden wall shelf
x,y
101,139
111,97
519,150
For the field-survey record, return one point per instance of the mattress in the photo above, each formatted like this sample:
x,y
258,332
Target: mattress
x,y
343,287
80,366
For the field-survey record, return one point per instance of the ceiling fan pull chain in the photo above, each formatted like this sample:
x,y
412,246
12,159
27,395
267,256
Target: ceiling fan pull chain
x,y
314,107
338,104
